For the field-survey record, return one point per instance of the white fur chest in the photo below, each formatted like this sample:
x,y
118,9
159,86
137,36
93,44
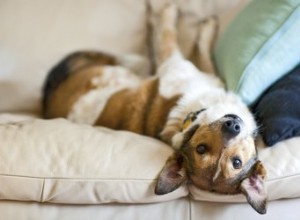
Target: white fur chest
x,y
180,77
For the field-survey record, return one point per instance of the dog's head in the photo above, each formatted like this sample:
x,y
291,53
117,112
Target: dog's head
x,y
217,153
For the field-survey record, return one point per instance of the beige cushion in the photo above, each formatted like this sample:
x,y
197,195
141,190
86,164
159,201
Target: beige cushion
x,y
61,162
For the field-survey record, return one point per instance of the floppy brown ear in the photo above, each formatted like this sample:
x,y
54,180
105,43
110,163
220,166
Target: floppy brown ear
x,y
172,175
253,188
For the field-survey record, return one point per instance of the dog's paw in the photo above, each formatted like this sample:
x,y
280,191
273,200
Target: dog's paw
x,y
207,32
167,134
169,13
210,22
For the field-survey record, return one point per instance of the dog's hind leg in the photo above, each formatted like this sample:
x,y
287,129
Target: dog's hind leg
x,y
207,33
165,34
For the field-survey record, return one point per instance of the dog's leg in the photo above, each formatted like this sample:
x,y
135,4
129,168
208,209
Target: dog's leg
x,y
165,34
207,35
167,57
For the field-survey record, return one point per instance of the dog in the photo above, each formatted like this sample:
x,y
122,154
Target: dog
x,y
212,131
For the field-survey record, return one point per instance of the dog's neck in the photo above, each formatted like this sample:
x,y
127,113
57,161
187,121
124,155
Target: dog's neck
x,y
190,102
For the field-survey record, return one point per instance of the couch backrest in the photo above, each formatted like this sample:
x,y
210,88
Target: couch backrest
x,y
34,35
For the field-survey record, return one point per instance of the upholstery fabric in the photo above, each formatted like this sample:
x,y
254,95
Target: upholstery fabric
x,y
35,35
178,209
60,162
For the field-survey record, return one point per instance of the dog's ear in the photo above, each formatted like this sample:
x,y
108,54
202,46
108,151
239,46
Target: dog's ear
x,y
172,175
253,188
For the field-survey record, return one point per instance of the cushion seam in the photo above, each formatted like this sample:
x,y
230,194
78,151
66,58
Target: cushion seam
x,y
283,177
76,178
114,180
42,192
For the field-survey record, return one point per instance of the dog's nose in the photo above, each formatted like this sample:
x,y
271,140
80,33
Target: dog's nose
x,y
231,128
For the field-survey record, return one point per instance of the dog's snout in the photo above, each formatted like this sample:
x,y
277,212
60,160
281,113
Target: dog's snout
x,y
231,128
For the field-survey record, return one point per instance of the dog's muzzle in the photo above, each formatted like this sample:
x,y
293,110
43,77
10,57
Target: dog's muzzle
x,y
231,126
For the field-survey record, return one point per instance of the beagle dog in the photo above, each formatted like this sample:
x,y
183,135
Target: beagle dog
x,y
212,131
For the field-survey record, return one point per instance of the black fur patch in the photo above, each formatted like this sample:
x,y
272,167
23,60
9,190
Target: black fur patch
x,y
57,75
69,65
189,134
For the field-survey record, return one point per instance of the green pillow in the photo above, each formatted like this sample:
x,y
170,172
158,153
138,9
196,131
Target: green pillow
x,y
261,45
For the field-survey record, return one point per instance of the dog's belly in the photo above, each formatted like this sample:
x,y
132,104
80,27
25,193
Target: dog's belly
x,y
108,81
179,76
115,98
142,110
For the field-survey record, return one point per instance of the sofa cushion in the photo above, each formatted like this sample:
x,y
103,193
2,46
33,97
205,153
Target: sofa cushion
x,y
259,46
57,161
60,162
278,109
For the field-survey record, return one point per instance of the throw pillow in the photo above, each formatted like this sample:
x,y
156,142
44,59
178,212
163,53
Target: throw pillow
x,y
278,110
261,45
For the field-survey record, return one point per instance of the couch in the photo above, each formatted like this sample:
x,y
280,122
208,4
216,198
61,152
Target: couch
x,y
55,169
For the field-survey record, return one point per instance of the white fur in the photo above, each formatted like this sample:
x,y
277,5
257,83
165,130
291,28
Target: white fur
x,y
199,90
179,76
89,106
217,104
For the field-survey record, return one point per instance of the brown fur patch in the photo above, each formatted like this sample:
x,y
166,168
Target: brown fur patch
x,y
70,90
260,170
64,71
141,111
202,167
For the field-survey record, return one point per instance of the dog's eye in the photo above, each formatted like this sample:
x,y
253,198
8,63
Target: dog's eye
x,y
236,163
201,148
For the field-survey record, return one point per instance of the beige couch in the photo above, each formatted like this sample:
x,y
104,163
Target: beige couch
x,y
59,170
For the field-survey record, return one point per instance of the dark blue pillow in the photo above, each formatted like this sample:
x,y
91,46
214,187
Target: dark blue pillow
x,y
278,110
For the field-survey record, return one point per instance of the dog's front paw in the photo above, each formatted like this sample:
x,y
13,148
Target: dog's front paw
x,y
167,134
207,32
169,11
211,23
